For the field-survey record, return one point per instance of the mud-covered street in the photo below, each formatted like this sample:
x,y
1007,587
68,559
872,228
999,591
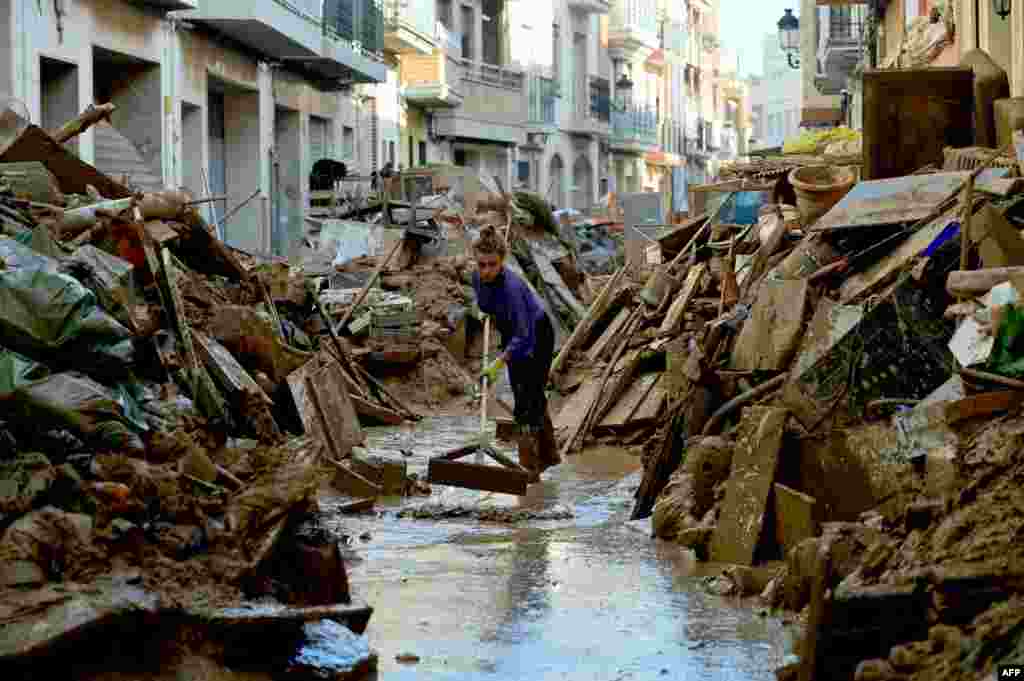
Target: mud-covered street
x,y
572,591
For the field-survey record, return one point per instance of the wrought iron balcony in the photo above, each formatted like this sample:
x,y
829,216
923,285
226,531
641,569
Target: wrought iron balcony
x,y
634,129
337,41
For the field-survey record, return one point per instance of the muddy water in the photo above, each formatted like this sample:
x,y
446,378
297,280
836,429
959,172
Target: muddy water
x,y
573,591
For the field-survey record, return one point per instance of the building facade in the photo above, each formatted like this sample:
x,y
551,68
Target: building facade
x,y
776,98
223,98
240,99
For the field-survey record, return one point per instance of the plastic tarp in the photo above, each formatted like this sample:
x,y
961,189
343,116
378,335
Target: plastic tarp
x,y
17,370
109,278
74,400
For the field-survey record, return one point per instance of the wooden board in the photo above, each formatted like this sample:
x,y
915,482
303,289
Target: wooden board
x,y
486,478
573,411
219,361
650,409
610,335
691,286
622,412
339,410
795,517
741,521
375,412
771,334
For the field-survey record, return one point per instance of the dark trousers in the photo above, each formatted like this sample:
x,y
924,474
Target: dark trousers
x,y
529,378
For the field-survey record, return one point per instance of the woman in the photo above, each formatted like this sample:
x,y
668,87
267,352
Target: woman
x,y
528,342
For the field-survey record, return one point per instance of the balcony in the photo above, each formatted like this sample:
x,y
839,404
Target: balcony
x,y
168,5
336,42
494,104
425,81
590,6
590,108
409,26
634,130
633,25
542,93
843,48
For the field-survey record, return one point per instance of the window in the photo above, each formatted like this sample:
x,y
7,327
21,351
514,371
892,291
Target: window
x,y
391,152
423,153
460,157
412,143
348,142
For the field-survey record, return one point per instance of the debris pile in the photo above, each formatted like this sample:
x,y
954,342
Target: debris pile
x,y
164,418
832,394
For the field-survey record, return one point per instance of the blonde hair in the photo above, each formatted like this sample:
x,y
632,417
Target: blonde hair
x,y
489,243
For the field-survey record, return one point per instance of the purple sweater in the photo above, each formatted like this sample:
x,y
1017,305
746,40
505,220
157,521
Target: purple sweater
x,y
516,311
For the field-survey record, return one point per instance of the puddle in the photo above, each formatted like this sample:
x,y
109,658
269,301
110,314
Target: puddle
x,y
590,596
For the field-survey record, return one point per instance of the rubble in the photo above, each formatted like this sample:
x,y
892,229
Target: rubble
x,y
842,394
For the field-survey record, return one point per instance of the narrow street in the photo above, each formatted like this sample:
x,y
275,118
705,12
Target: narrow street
x,y
574,591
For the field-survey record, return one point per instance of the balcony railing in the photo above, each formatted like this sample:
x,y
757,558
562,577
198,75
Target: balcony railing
x,y
543,95
359,22
600,100
672,137
634,15
415,14
490,74
635,126
447,39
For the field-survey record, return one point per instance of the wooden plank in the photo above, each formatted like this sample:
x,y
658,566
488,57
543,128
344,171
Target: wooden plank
x,y
740,525
481,477
352,483
771,334
984,404
375,412
582,331
226,368
621,379
795,517
574,410
673,320
634,396
610,335
650,409
339,407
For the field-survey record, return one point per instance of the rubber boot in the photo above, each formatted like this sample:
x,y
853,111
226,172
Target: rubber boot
x,y
528,455
548,445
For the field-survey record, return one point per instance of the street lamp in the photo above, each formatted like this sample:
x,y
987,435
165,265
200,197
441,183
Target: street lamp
x,y
789,37
1002,8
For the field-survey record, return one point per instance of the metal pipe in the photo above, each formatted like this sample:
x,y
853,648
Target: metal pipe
x,y
231,213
